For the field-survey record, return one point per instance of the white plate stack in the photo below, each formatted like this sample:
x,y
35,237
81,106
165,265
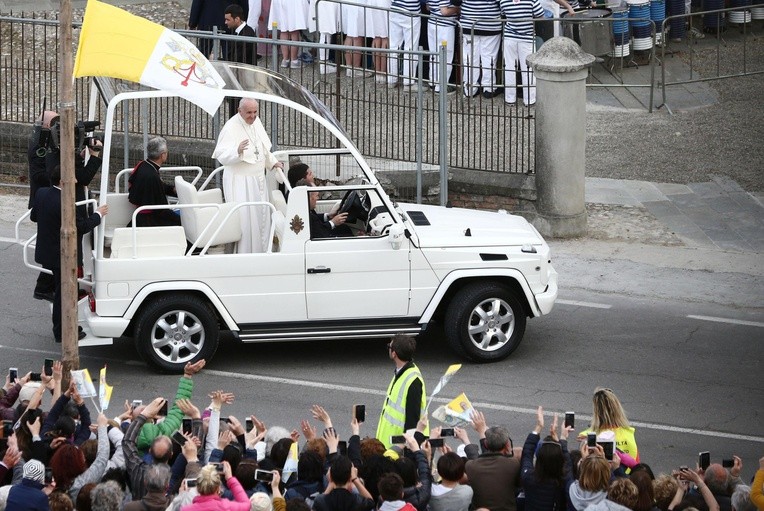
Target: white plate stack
x,y
620,50
757,13
740,17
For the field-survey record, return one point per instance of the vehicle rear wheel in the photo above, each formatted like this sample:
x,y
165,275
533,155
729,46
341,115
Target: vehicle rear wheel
x,y
484,322
173,330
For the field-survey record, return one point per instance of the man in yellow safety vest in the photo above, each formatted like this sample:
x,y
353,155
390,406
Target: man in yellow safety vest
x,y
406,398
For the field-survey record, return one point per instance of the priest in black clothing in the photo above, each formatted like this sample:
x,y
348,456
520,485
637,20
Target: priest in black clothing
x,y
146,187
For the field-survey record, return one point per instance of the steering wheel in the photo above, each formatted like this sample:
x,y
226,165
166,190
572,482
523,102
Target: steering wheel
x,y
356,204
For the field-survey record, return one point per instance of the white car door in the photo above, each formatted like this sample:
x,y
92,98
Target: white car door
x,y
356,277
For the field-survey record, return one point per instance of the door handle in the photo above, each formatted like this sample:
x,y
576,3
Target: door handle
x,y
320,269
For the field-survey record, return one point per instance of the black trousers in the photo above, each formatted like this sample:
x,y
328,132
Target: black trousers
x,y
56,314
45,283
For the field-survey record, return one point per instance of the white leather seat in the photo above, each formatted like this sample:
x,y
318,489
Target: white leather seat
x,y
120,214
195,220
279,224
169,241
278,201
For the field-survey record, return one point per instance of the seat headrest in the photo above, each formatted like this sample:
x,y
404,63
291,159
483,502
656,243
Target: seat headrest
x,y
187,193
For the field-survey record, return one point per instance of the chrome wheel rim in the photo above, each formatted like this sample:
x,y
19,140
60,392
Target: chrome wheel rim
x,y
177,336
491,324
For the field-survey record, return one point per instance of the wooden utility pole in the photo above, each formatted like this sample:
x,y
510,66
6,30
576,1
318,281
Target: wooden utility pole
x,y
69,290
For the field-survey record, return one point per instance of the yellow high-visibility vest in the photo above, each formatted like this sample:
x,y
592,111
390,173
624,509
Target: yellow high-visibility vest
x,y
393,416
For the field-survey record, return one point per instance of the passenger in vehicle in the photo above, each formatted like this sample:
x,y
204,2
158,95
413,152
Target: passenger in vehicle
x,y
245,149
299,171
321,225
146,187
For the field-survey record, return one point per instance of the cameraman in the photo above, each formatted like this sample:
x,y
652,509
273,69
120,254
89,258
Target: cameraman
x,y
39,177
45,155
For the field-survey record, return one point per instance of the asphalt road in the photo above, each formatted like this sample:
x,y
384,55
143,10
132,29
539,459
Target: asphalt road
x,y
689,383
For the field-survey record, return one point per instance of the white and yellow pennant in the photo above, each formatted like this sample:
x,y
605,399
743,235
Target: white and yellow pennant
x,y
118,44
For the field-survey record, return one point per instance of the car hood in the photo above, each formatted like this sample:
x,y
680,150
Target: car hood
x,y
449,227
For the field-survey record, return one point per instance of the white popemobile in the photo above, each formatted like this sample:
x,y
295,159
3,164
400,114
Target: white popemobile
x,y
480,274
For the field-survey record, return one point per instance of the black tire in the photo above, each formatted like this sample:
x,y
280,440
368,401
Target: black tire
x,y
167,347
484,322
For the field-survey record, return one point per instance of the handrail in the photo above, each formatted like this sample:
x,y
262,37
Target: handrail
x,y
124,172
217,206
209,178
26,244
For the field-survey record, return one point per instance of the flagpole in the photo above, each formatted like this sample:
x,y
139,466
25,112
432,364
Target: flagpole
x,y
69,333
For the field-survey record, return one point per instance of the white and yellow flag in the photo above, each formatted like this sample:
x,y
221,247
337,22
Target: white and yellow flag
x,y
452,369
118,44
104,390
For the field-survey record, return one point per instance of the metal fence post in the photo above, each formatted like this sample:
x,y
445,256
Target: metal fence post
x,y
420,125
126,134
145,128
275,65
443,125
215,44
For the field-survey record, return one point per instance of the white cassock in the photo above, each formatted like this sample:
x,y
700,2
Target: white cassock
x,y
253,17
244,178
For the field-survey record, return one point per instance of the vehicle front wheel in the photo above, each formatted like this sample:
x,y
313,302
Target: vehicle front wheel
x,y
173,330
484,322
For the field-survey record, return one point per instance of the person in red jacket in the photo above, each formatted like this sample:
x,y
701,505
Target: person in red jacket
x,y
391,493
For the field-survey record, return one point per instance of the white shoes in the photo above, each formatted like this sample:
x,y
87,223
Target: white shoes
x,y
358,72
327,69
285,63
295,64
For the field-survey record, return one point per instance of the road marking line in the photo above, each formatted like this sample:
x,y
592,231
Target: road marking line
x,y
377,392
726,320
478,405
8,240
584,304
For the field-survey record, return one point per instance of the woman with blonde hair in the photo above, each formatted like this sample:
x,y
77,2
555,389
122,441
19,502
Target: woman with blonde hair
x,y
209,485
609,416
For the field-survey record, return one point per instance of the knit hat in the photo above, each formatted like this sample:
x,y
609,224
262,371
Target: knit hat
x,y
260,502
27,391
35,471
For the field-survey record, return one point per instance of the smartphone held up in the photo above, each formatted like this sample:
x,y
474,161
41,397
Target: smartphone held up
x,y
264,476
359,412
570,420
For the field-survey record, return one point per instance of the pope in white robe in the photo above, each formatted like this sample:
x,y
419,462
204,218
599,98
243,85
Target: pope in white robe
x,y
244,148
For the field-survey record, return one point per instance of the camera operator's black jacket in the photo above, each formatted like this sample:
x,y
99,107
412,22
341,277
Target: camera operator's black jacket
x,y
38,171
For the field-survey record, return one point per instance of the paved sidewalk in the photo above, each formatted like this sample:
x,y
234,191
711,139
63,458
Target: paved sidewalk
x,y
714,215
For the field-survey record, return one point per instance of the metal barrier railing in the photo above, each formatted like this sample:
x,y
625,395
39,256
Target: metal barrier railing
x,y
715,24
389,124
385,124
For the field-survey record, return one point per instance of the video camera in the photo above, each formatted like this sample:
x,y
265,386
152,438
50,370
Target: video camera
x,y
48,139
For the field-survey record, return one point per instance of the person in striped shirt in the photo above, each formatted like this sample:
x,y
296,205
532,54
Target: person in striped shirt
x,y
481,37
519,39
405,26
441,27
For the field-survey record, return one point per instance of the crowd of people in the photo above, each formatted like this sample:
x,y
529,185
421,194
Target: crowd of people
x,y
188,454
484,30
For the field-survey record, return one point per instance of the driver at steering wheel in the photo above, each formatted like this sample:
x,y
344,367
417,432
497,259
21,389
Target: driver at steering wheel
x,y
321,225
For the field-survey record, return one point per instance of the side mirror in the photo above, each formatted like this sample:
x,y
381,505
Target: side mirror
x,y
397,235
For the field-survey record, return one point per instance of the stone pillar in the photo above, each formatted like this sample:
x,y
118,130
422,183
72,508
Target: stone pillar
x,y
561,68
